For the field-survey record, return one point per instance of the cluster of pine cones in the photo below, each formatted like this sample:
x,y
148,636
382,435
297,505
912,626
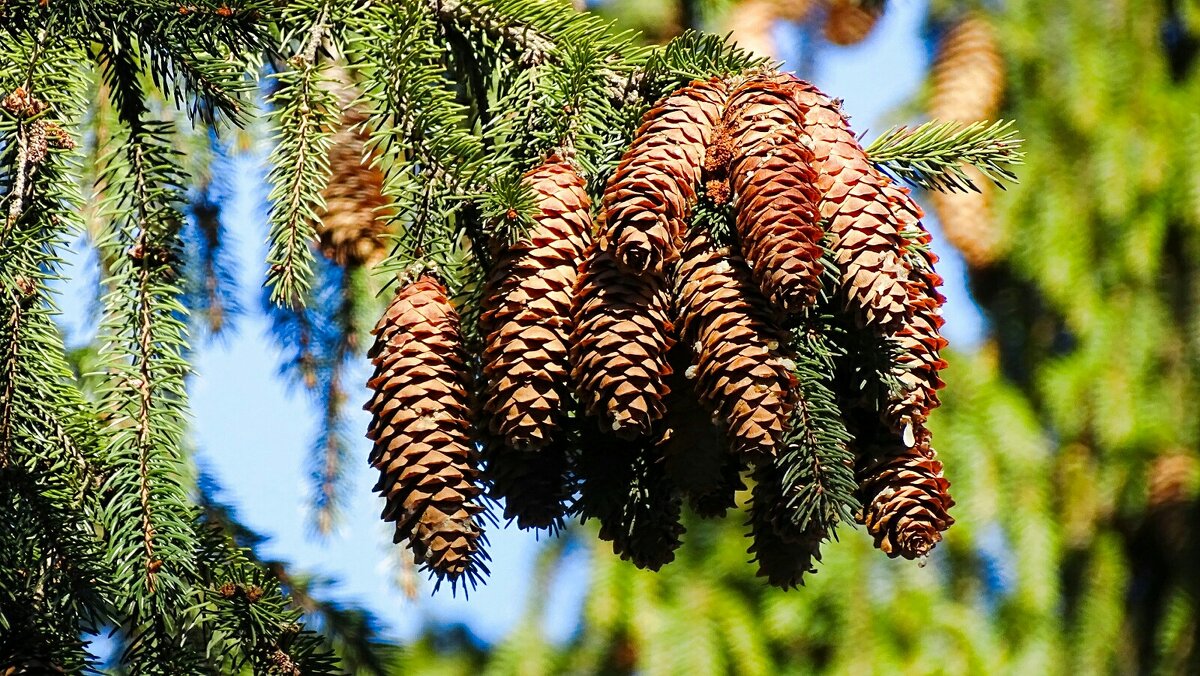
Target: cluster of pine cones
x,y
636,358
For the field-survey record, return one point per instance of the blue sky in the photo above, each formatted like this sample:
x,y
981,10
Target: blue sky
x,y
253,432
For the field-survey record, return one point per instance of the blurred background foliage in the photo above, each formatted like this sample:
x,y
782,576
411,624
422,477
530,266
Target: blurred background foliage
x,y
1070,433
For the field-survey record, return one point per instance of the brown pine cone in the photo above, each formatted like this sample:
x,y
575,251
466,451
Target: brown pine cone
x,y
650,197
867,243
848,22
694,452
904,496
526,312
1172,479
749,24
968,72
352,225
784,553
794,10
536,487
626,488
741,378
967,222
968,85
420,425
619,345
918,338
771,171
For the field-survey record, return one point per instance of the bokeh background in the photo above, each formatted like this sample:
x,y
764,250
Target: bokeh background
x,y
1069,432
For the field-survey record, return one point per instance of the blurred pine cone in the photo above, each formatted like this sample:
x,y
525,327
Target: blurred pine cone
x,y
750,24
352,226
967,85
420,425
849,22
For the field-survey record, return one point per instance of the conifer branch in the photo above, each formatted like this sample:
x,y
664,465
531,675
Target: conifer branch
x,y
932,155
303,117
145,343
431,160
817,460
539,33
51,563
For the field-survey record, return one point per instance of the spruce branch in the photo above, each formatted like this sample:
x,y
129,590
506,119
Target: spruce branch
x,y
149,516
538,32
430,157
303,116
932,155
818,465
52,578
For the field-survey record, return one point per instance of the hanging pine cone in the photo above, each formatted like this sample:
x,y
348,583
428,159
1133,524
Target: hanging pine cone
x,y
849,22
784,554
619,346
968,72
694,452
967,222
867,243
794,10
904,496
918,338
968,84
650,197
526,315
749,24
536,487
352,226
626,488
771,172
420,425
740,375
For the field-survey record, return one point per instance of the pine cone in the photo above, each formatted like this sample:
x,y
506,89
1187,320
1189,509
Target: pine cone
x,y
351,226
772,174
536,487
526,313
904,496
619,346
695,451
968,84
794,10
626,488
784,555
848,22
1172,480
868,244
750,24
967,222
649,199
968,72
740,376
420,426
918,338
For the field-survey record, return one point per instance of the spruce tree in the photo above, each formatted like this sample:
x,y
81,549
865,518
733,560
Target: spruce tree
x,y
720,194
